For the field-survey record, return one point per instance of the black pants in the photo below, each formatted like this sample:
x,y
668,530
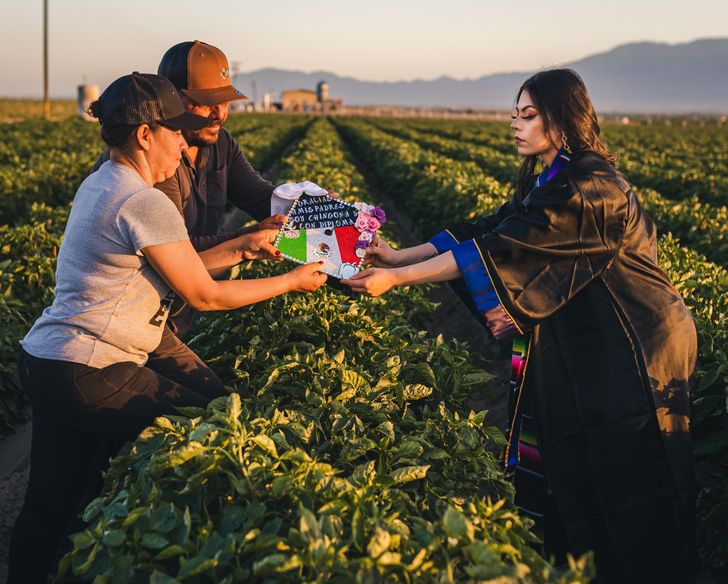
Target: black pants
x,y
81,417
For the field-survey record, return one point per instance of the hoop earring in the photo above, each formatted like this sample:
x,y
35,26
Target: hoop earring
x,y
565,142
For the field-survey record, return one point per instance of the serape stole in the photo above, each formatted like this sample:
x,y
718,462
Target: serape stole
x,y
522,456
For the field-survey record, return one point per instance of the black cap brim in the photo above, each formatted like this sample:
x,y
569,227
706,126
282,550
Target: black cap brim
x,y
187,121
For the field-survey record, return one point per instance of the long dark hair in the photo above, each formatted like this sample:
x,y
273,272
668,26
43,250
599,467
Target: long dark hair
x,y
561,97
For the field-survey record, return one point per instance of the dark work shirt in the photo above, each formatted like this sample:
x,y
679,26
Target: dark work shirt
x,y
221,173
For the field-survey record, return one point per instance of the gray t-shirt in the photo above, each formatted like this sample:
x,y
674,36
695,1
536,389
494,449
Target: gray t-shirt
x,y
110,305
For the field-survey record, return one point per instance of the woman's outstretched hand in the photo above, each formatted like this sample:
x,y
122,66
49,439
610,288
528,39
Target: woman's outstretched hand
x,y
258,245
372,282
380,254
306,278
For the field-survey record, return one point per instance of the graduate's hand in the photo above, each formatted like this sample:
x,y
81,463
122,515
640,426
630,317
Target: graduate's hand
x,y
258,245
380,254
306,278
372,282
274,222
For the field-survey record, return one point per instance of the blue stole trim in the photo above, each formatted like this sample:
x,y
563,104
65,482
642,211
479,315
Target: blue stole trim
x,y
444,241
560,161
472,267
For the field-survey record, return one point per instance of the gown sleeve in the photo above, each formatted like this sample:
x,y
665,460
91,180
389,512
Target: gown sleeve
x,y
465,230
475,287
528,259
550,247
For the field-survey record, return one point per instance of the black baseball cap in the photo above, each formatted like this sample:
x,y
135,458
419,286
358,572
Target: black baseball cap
x,y
142,98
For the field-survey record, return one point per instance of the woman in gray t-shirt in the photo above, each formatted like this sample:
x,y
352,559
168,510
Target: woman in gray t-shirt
x,y
124,256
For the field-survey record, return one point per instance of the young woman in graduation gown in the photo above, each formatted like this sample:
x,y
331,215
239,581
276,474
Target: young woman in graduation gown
x,y
606,348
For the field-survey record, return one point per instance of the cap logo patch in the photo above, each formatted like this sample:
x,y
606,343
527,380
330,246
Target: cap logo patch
x,y
224,72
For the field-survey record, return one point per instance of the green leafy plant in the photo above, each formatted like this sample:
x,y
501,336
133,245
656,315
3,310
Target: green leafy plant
x,y
346,451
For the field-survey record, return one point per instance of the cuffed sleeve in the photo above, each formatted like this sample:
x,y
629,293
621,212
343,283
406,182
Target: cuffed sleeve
x,y
455,234
472,267
444,241
465,230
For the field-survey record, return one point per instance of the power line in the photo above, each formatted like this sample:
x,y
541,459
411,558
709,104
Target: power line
x,y
46,100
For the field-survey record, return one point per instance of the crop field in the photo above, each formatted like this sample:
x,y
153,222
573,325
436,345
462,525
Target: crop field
x,y
347,449
13,110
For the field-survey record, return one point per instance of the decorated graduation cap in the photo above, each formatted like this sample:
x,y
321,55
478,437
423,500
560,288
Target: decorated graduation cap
x,y
320,228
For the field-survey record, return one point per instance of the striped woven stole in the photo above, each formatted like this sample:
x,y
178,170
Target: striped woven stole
x,y
523,456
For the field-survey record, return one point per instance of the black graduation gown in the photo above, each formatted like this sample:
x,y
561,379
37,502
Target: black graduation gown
x,y
612,356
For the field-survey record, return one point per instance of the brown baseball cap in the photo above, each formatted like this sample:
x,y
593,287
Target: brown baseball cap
x,y
200,71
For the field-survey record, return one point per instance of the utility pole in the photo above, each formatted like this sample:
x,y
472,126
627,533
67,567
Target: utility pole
x,y
46,101
234,68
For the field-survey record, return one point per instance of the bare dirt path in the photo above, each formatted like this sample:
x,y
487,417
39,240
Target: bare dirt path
x,y
234,218
451,318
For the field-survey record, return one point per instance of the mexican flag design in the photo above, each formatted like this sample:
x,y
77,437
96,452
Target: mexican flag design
x,y
320,228
335,246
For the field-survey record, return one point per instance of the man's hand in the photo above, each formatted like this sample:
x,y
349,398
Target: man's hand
x,y
257,245
274,222
373,282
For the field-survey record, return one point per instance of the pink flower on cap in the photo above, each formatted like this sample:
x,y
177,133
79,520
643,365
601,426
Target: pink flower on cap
x,y
373,224
362,221
366,236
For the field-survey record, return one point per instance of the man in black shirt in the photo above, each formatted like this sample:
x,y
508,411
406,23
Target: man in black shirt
x,y
212,171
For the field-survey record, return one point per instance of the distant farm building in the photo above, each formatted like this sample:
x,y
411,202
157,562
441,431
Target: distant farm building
x,y
299,100
305,100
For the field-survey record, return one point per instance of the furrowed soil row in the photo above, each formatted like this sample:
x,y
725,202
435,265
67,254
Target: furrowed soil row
x,y
697,224
680,161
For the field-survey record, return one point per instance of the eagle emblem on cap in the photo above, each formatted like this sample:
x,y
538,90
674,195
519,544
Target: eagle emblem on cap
x,y
224,72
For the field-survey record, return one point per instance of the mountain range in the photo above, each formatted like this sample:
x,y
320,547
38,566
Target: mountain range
x,y
637,77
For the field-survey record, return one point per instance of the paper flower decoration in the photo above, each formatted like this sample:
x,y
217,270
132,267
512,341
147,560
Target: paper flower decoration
x,y
379,215
362,221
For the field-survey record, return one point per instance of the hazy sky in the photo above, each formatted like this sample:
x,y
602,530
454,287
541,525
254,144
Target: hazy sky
x,y
99,40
